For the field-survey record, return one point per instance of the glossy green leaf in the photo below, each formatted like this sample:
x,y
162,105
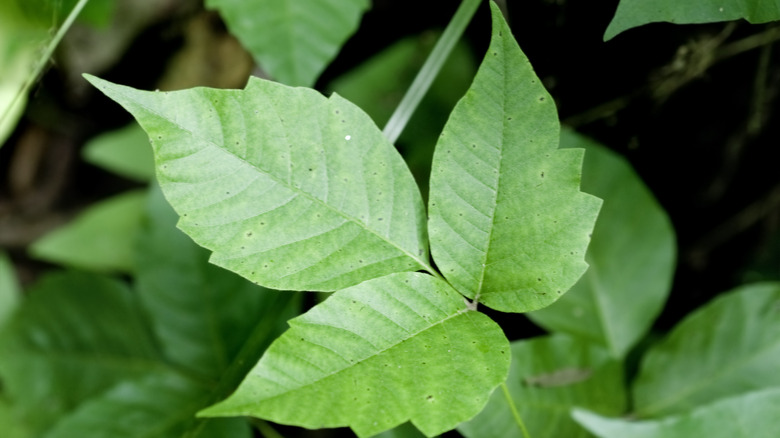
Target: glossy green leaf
x,y
201,313
389,350
125,152
101,238
75,335
289,189
631,257
728,347
633,13
751,415
548,377
508,224
10,291
160,405
292,40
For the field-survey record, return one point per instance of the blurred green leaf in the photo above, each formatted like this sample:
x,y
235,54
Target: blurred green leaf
x,y
126,152
292,40
633,13
751,415
9,423
631,257
10,292
728,347
160,405
202,314
75,335
406,430
101,238
549,376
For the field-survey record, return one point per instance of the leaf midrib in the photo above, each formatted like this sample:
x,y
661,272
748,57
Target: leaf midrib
x,y
351,365
287,185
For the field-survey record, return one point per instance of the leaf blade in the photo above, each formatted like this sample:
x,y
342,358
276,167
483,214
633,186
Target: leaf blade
x,y
494,232
728,347
376,355
550,375
633,13
292,40
615,303
304,195
750,415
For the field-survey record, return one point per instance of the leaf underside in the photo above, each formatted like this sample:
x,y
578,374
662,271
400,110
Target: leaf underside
x,y
633,13
393,349
288,188
508,224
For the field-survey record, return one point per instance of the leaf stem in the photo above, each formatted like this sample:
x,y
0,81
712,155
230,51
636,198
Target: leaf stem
x,y
430,69
47,54
515,413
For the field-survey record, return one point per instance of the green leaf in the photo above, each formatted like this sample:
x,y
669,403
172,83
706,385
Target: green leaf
x,y
10,292
633,13
751,415
292,40
125,152
74,336
508,223
160,405
549,376
631,257
728,347
101,238
396,348
9,424
201,313
289,189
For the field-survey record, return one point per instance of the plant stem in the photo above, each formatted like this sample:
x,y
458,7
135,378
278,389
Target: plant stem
x,y
515,413
47,54
430,69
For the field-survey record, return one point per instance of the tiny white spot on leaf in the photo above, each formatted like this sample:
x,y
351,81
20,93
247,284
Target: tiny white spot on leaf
x,y
348,137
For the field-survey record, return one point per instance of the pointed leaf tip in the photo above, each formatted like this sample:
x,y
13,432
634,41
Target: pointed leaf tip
x,y
288,188
508,224
389,350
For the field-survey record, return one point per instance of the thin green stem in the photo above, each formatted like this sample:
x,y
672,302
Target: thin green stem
x,y
515,413
47,54
430,69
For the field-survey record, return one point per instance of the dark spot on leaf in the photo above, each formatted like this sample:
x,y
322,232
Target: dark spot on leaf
x,y
538,279
542,174
249,234
379,219
495,53
541,99
509,118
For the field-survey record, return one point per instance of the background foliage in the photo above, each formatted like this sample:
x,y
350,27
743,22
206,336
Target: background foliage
x,y
137,326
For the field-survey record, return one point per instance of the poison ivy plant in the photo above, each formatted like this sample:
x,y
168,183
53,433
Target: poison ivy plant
x,y
293,190
752,415
633,13
292,40
615,303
